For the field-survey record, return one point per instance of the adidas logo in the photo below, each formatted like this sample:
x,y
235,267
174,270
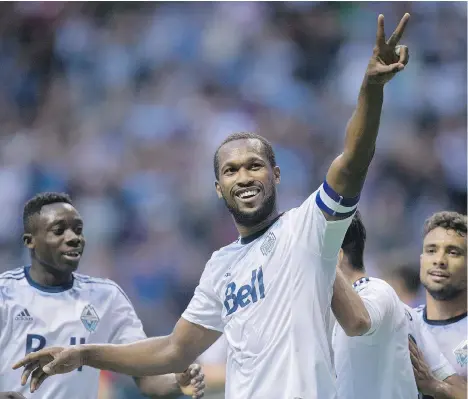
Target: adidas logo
x,y
24,315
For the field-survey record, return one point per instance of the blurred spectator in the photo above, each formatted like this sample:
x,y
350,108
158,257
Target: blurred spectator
x,y
405,281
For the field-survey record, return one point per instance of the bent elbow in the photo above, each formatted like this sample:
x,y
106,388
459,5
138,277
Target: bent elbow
x,y
359,327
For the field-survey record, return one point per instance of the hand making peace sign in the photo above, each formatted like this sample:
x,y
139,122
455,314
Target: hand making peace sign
x,y
388,58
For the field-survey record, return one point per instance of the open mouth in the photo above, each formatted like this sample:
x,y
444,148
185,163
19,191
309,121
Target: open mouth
x,y
72,254
247,194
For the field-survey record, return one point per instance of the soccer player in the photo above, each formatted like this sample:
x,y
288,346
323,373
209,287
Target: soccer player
x,y
370,343
270,290
48,304
443,274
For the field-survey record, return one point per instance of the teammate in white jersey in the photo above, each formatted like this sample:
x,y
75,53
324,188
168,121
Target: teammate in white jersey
x,y
270,291
47,304
377,363
443,274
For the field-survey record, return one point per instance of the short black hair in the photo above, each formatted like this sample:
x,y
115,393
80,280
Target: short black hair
x,y
409,275
267,147
354,242
35,204
448,221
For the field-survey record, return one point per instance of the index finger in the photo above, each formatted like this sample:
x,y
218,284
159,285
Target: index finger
x,y
398,33
27,359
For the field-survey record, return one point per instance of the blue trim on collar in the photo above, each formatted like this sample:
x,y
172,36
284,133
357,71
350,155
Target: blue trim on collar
x,y
50,288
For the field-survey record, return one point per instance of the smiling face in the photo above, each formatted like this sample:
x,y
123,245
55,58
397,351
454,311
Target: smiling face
x,y
247,181
57,240
443,264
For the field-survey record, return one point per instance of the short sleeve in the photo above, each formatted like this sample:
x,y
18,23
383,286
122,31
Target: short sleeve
x,y
205,307
321,236
379,304
427,344
127,327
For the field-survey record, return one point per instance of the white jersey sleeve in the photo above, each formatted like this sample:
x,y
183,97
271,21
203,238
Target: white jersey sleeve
x,y
205,308
323,237
378,300
427,344
127,326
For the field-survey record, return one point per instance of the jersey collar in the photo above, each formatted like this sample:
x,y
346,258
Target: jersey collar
x,y
44,288
442,322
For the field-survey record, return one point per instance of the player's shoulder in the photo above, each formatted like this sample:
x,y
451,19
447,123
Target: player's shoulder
x,y
375,287
12,276
90,283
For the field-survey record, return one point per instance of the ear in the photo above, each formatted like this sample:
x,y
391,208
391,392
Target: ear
x,y
28,241
340,256
218,190
277,173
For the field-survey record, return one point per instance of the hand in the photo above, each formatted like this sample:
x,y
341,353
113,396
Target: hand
x,y
388,58
11,395
46,362
192,381
425,380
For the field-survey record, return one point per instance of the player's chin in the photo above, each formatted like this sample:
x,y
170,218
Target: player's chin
x,y
69,265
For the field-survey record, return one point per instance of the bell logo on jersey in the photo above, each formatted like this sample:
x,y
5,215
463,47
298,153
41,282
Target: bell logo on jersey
x,y
246,294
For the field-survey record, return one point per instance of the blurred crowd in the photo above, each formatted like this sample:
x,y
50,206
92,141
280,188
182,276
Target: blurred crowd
x,y
122,106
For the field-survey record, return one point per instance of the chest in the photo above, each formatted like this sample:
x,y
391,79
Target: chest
x,y
39,320
453,343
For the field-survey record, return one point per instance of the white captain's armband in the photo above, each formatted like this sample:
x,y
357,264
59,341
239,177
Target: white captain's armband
x,y
334,204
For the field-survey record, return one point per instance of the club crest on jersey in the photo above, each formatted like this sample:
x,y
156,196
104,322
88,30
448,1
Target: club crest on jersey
x,y
461,353
268,243
89,318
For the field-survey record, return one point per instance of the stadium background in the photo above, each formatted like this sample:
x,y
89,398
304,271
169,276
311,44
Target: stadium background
x,y
123,104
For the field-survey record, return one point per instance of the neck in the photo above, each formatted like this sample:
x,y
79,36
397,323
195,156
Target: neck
x,y
444,310
351,274
245,231
46,277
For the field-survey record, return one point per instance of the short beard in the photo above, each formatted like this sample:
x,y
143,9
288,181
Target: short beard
x,y
445,294
260,215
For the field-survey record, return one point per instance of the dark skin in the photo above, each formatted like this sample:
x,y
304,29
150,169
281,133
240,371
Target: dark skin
x,y
56,243
250,169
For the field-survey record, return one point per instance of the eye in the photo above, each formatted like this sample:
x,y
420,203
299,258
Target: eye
x,y
256,166
454,252
59,231
229,171
79,230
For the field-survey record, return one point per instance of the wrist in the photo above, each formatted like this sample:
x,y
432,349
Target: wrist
x,y
85,353
434,388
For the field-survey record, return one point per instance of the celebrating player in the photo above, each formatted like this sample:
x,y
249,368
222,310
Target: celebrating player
x,y
48,304
370,344
443,274
270,290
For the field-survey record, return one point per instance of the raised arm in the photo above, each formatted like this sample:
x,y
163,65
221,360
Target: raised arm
x,y
348,171
152,356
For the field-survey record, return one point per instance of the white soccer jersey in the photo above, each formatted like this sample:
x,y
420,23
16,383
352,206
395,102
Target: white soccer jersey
x,y
270,294
452,337
88,310
376,364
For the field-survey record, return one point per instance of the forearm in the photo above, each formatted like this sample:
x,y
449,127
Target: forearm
x,y
153,356
348,174
348,307
215,376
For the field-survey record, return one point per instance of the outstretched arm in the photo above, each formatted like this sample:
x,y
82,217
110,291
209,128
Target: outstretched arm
x,y
152,356
348,171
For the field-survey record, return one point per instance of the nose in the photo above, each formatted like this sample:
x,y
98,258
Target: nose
x,y
72,239
244,179
440,259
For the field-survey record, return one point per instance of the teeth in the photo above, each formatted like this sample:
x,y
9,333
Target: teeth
x,y
248,193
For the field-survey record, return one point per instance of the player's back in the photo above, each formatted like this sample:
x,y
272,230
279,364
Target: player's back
x,y
377,364
451,336
87,310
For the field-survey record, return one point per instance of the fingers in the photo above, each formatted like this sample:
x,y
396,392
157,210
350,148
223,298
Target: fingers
x,y
27,372
37,377
194,369
31,358
403,53
380,40
398,33
382,69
